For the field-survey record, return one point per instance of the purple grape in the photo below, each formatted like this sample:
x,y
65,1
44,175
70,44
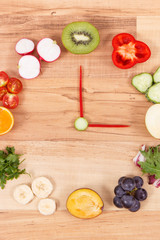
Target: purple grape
x,y
127,201
119,192
128,184
140,194
135,207
117,202
139,181
120,180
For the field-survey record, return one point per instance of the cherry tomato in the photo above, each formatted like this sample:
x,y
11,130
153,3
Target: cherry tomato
x,y
128,51
3,79
10,100
14,85
3,91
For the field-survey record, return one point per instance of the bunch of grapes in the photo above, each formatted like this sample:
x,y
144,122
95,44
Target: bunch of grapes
x,y
129,193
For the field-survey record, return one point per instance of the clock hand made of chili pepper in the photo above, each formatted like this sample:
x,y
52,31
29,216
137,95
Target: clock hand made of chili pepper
x,y
81,123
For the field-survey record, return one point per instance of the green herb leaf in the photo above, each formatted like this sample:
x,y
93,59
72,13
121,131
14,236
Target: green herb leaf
x,y
152,163
9,166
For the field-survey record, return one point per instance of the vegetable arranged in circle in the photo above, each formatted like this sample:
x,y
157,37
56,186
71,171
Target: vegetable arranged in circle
x,y
3,79
10,162
129,192
85,203
81,124
29,67
24,46
48,50
156,76
14,85
3,91
10,100
152,120
80,37
148,160
6,120
153,93
128,51
142,82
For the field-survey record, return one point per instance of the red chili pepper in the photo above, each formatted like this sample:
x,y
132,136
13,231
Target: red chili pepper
x,y
107,125
128,51
81,108
80,93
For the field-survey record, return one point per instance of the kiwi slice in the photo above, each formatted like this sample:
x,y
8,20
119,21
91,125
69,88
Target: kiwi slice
x,y
80,37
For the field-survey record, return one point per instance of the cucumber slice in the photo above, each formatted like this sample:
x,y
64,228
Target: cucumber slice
x,y
153,93
81,124
142,82
156,76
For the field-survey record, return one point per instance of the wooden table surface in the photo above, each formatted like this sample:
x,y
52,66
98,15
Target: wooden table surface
x,y
44,130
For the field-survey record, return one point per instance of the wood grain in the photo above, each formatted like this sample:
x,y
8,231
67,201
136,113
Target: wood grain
x,y
44,129
120,225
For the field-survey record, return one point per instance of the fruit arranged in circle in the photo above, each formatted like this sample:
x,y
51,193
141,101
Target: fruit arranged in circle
x,y
3,79
10,100
42,187
24,46
129,193
48,50
23,194
138,181
128,184
117,202
141,194
135,206
47,206
6,120
127,200
3,91
80,37
14,85
85,203
29,67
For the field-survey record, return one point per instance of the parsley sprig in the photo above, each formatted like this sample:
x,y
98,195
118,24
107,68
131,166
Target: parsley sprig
x,y
9,166
152,161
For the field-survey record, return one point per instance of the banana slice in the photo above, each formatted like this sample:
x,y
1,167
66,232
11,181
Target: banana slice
x,y
23,194
42,187
47,206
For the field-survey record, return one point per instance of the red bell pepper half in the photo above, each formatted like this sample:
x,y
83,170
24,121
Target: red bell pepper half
x,y
128,51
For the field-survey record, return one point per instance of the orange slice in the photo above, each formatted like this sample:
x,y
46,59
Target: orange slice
x,y
6,120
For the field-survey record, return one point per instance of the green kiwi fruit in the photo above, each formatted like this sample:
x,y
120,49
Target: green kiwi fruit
x,y
80,37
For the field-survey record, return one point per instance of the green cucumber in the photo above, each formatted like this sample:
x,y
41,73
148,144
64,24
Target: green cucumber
x,y
142,82
156,76
153,93
81,124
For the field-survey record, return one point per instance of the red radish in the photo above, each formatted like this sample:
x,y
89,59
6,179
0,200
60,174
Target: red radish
x,y
3,91
48,50
29,67
3,79
14,85
24,46
10,100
